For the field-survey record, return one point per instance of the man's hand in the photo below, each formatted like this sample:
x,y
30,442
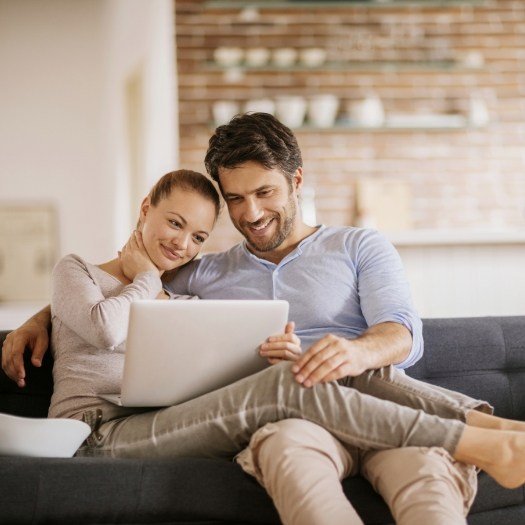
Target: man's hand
x,y
329,359
334,357
134,258
283,347
33,334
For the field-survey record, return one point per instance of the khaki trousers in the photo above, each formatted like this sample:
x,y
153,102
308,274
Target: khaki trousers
x,y
301,466
378,410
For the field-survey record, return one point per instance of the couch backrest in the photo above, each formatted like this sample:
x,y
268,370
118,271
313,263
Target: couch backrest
x,y
483,357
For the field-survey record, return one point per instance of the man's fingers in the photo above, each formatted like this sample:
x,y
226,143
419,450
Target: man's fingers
x,y
280,345
39,350
310,354
305,373
323,372
287,355
18,366
338,373
14,360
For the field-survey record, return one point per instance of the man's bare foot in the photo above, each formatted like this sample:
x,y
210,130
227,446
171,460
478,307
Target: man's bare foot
x,y
475,418
500,453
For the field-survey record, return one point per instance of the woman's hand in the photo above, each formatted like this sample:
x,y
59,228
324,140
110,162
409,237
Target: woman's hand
x,y
134,258
284,347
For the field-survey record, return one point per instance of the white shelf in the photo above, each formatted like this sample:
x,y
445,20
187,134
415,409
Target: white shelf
x,y
341,4
455,237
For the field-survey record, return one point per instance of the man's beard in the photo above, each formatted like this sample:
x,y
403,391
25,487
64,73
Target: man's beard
x,y
284,227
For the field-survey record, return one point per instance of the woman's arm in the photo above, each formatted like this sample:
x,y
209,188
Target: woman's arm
x,y
80,304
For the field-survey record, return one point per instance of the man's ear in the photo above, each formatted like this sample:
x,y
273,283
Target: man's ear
x,y
144,209
298,179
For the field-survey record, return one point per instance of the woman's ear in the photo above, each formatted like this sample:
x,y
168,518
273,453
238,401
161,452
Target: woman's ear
x,y
144,208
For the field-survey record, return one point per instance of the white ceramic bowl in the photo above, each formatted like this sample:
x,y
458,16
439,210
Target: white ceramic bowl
x,y
290,110
260,105
312,56
284,56
46,438
322,110
224,110
257,56
228,56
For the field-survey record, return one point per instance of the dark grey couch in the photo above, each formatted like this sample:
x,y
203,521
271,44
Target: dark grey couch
x,y
482,357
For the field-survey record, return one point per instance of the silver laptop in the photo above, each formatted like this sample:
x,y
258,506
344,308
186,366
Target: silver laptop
x,y
178,350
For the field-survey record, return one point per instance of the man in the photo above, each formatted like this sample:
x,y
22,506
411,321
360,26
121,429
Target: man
x,y
353,312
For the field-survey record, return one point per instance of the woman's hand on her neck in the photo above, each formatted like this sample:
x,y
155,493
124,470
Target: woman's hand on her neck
x,y
134,258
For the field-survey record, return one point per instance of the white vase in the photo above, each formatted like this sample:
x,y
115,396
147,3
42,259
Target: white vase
x,y
290,110
224,111
260,105
369,112
322,110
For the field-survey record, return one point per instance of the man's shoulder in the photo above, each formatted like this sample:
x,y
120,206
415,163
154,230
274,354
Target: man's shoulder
x,y
219,259
348,235
207,268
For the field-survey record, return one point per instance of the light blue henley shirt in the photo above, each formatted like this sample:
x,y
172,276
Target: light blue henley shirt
x,y
339,280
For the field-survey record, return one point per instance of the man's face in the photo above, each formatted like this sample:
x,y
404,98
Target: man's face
x,y
261,204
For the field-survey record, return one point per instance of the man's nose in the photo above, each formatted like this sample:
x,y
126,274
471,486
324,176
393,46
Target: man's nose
x,y
252,211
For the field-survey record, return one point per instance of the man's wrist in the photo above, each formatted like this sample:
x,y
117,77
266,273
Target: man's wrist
x,y
41,318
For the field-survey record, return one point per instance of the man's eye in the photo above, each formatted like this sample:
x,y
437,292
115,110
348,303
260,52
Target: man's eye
x,y
265,193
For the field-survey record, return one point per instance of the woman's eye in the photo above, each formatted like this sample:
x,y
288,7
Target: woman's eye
x,y
199,239
175,223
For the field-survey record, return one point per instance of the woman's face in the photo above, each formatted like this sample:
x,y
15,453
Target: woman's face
x,y
174,230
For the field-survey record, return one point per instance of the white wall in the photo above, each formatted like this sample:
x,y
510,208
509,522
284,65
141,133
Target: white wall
x,y
63,70
142,45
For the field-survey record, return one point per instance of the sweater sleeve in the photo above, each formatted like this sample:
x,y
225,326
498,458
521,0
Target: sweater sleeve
x,y
78,302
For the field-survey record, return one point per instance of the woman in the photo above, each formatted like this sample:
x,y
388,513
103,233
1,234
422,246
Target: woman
x,y
90,304
90,308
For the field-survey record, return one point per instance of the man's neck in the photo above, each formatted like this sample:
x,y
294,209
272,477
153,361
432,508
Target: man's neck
x,y
277,255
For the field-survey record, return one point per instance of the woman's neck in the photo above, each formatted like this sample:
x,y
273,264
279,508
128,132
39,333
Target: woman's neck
x,y
114,268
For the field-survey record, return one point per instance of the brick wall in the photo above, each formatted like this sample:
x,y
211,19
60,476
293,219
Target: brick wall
x,y
415,59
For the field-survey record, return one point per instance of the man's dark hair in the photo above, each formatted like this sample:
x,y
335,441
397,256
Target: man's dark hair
x,y
257,137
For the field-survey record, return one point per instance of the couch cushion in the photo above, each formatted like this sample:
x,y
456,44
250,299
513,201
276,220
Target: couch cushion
x,y
104,490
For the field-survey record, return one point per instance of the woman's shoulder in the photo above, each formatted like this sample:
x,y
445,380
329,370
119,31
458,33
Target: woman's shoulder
x,y
71,264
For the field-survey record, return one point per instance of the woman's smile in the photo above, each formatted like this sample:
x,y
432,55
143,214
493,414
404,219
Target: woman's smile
x,y
170,253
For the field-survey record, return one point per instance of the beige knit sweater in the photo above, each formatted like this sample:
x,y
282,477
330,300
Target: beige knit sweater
x,y
90,313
